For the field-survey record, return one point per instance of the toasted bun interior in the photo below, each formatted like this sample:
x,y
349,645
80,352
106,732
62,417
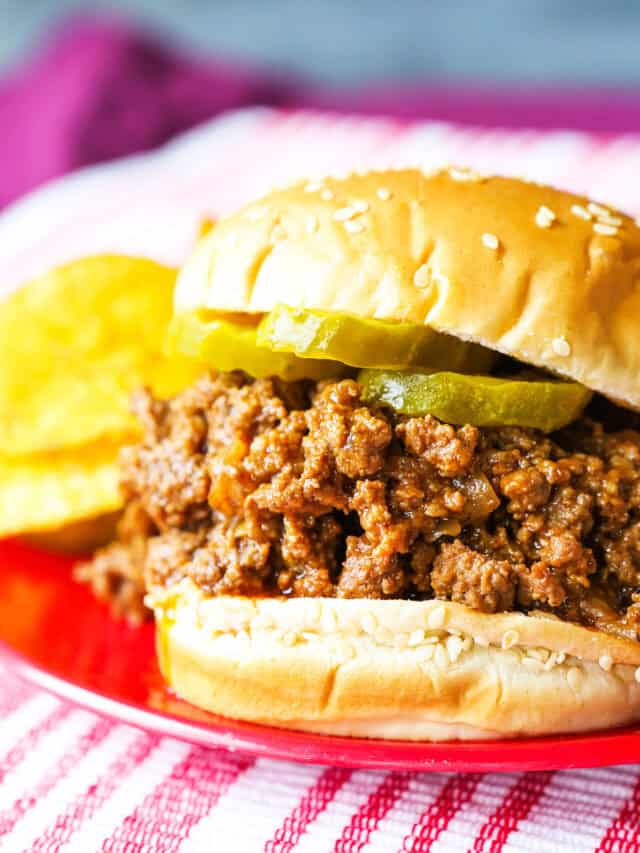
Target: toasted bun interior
x,y
393,669
539,274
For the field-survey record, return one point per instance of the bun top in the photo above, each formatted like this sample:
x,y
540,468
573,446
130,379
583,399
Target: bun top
x,y
545,276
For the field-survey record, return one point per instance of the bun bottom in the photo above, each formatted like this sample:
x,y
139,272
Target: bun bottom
x,y
393,669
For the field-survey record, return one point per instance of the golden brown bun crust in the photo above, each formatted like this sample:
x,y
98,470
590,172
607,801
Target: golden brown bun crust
x,y
561,289
394,669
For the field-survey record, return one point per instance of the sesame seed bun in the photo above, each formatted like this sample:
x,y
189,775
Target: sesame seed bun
x,y
539,274
547,277
393,669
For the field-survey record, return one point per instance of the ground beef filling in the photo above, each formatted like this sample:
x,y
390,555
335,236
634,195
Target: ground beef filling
x,y
261,487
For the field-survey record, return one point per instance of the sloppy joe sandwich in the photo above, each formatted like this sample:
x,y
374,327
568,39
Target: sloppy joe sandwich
x,y
405,500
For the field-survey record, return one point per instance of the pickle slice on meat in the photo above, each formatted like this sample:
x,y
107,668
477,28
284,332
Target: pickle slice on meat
x,y
456,398
361,342
228,342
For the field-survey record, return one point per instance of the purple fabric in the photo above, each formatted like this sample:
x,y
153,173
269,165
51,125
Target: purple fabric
x,y
99,90
598,110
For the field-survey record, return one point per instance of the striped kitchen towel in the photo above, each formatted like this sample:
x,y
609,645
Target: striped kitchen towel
x,y
73,781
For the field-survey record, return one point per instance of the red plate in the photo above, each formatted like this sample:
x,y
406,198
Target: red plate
x,y
59,637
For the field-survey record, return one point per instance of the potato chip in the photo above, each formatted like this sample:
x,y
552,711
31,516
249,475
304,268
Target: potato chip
x,y
78,537
74,343
48,490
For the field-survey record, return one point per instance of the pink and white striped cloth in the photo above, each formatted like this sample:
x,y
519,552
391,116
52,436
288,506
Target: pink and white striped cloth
x,y
73,781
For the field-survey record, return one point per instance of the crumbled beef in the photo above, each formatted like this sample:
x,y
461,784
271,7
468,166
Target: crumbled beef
x,y
263,487
448,449
474,579
116,573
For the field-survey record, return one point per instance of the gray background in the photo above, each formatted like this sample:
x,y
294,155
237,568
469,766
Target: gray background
x,y
571,41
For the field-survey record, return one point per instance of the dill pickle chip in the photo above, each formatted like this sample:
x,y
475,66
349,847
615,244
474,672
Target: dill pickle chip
x,y
229,343
361,342
546,405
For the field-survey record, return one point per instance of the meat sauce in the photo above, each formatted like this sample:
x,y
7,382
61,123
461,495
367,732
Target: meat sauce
x,y
300,489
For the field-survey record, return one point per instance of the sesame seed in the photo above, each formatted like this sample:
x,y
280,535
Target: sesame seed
x,y
533,664
509,639
326,195
610,220
458,174
606,662
383,194
344,213
561,346
605,230
311,224
561,657
581,212
454,648
490,241
421,276
436,618
360,206
545,217
353,227
400,641
597,209
313,187
637,674
416,638
539,654
290,638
